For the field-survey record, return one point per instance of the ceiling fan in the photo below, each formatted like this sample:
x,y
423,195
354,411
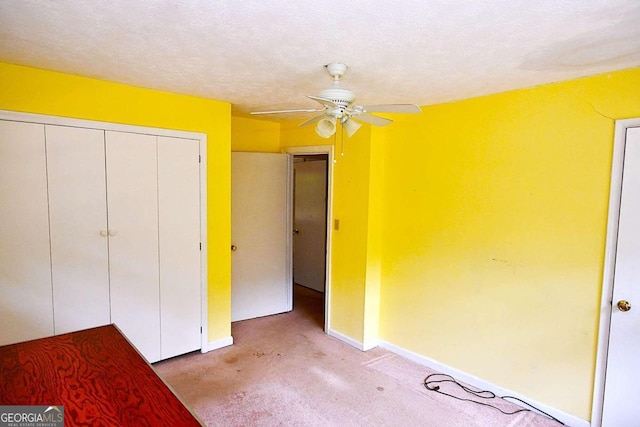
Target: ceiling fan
x,y
338,105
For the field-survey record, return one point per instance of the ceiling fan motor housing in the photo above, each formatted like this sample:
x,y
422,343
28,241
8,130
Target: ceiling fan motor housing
x,y
337,94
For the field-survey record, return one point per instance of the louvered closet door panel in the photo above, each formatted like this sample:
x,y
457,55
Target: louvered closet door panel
x,y
78,216
132,206
26,308
179,226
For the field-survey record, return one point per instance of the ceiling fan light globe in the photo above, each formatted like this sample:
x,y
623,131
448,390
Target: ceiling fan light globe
x,y
326,127
351,127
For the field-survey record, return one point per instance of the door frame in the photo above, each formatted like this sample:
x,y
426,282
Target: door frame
x,y
202,142
328,150
606,306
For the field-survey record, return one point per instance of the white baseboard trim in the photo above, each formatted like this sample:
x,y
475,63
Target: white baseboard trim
x,y
214,345
357,344
568,419
368,345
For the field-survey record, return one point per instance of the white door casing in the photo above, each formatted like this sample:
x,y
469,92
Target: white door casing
x,y
261,235
328,150
78,227
617,385
26,312
310,223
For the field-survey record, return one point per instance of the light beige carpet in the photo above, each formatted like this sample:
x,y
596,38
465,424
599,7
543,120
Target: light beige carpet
x,y
284,370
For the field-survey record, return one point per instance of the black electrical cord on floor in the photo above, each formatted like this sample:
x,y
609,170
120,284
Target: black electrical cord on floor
x,y
432,385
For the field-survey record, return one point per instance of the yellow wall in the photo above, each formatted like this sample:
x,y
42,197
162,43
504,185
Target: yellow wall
x,y
495,213
255,135
31,90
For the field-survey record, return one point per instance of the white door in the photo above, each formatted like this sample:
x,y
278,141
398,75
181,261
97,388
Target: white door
x,y
261,235
310,222
622,381
78,223
26,308
132,201
179,240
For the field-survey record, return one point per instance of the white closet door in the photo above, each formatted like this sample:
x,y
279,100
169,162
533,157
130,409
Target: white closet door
x,y
78,216
26,309
132,203
179,238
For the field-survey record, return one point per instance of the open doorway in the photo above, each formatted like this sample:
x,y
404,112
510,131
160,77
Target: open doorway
x,y
310,210
262,268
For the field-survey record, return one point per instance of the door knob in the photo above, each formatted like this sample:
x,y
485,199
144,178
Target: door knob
x,y
234,248
624,305
296,231
104,233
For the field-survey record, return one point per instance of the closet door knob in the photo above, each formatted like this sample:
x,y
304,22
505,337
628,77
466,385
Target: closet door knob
x,y
104,233
112,232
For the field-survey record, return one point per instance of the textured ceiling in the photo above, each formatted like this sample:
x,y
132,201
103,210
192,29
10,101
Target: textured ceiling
x,y
263,55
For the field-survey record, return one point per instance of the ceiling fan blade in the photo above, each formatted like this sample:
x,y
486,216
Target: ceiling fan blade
x,y
313,120
374,120
324,101
392,108
306,110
